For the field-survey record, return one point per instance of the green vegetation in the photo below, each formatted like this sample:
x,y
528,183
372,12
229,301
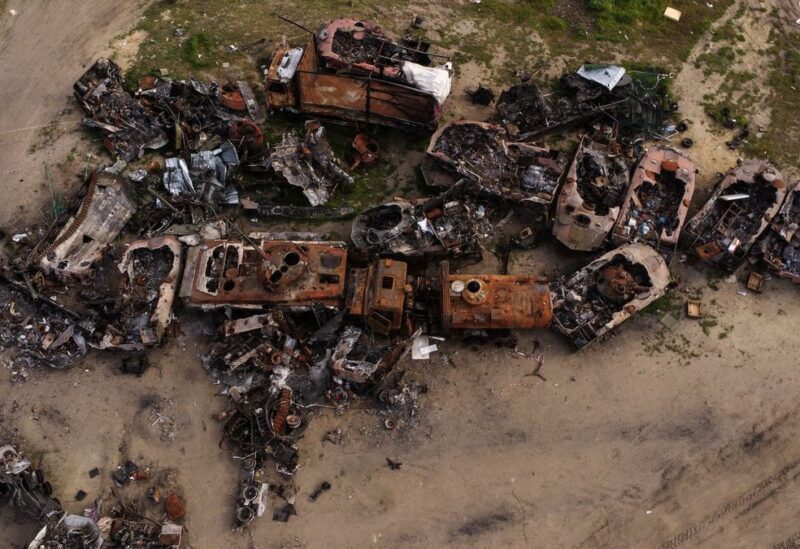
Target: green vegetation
x,y
782,140
730,31
199,50
717,61
707,323
668,303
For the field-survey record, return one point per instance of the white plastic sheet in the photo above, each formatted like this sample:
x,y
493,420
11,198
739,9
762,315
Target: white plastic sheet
x,y
435,80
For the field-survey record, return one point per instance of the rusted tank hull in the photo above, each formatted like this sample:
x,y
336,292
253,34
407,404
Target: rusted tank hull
x,y
278,272
593,301
493,302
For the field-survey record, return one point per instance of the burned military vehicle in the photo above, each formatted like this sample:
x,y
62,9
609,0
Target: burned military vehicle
x,y
96,215
780,249
590,199
519,175
355,71
608,291
23,485
472,302
436,227
741,208
636,103
142,304
655,207
235,273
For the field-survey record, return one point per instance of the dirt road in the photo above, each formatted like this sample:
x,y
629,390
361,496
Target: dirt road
x,y
654,438
44,48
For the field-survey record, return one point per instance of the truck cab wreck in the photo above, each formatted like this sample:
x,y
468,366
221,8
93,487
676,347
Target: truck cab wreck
x,y
355,71
379,294
590,199
658,199
741,208
608,291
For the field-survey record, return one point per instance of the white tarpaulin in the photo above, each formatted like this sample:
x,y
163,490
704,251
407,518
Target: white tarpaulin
x,y
435,80
605,75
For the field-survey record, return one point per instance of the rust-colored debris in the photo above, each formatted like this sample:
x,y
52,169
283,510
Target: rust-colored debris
x,y
128,127
480,302
235,273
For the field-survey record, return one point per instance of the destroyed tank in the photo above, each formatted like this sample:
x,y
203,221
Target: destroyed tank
x,y
658,199
590,199
744,202
780,250
593,301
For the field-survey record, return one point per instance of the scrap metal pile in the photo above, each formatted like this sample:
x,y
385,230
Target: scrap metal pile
x,y
638,104
301,321
151,521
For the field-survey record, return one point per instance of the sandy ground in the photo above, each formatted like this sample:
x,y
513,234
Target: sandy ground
x,y
627,444
44,48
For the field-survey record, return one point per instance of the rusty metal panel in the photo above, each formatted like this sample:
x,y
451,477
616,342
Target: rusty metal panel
x,y
388,293
277,272
378,293
103,212
362,99
494,301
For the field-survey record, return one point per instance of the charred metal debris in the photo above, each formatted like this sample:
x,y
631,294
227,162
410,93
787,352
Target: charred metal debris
x,y
744,203
303,322
780,249
637,103
353,70
138,520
